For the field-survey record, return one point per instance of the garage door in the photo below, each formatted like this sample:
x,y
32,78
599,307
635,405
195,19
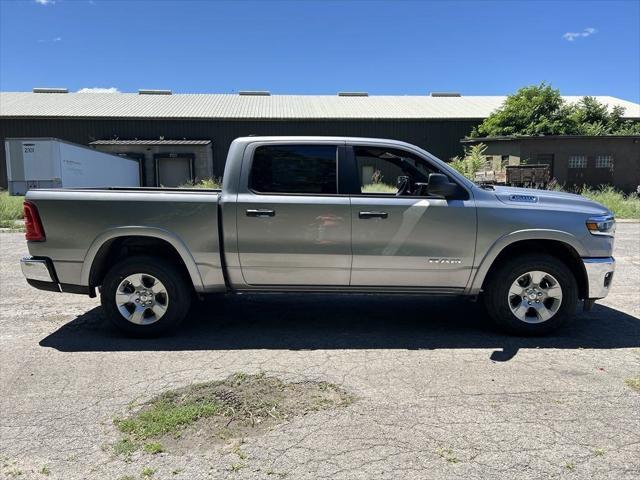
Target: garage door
x,y
174,171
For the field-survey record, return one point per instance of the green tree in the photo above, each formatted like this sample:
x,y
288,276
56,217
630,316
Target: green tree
x,y
590,117
541,110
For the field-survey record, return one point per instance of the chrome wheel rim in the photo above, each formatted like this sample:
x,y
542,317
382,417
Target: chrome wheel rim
x,y
535,297
142,299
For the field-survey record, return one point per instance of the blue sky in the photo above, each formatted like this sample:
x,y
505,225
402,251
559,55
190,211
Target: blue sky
x,y
412,48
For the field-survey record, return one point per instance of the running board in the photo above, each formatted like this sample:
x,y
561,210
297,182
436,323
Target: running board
x,y
349,289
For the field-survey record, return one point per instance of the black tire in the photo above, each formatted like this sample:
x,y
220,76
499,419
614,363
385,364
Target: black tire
x,y
497,298
177,297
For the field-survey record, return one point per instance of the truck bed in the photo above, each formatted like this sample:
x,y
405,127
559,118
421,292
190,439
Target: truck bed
x,y
77,222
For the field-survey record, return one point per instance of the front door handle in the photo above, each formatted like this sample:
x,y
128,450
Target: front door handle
x,y
261,212
365,215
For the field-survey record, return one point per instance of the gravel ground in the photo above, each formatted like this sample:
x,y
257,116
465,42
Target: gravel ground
x,y
440,394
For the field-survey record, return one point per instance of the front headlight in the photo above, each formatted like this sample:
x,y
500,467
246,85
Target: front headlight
x,y
601,225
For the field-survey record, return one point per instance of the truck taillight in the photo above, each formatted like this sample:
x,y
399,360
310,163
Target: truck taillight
x,y
34,232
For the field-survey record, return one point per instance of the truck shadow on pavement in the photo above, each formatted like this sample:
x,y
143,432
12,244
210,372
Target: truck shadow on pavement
x,y
320,321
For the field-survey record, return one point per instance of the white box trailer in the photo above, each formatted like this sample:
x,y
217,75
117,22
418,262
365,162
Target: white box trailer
x,y
55,163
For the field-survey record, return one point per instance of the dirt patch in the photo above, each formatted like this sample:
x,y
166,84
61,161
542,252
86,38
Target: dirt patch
x,y
242,405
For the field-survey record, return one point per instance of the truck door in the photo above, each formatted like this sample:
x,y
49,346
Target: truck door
x,y
402,239
293,226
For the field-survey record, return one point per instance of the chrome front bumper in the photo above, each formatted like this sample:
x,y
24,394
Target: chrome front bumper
x,y
36,269
599,275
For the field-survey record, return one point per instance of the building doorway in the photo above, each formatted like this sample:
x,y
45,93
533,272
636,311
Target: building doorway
x,y
173,170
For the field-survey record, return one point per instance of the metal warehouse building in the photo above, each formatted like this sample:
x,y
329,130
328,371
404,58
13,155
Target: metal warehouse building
x,y
180,137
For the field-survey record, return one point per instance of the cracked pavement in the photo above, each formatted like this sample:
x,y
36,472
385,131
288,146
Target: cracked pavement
x,y
440,393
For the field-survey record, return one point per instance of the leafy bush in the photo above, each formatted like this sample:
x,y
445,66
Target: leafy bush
x,y
472,162
10,207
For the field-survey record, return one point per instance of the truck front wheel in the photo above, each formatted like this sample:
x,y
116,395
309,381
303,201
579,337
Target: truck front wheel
x,y
144,296
531,294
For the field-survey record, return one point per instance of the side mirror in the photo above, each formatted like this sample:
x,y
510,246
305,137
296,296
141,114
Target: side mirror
x,y
440,185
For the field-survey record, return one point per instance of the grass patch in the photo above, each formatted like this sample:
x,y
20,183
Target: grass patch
x,y
125,447
11,225
167,416
447,454
153,448
232,408
10,211
236,467
633,383
45,470
622,206
207,183
10,206
147,472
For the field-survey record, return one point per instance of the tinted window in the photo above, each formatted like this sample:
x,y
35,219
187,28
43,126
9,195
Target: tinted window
x,y
294,169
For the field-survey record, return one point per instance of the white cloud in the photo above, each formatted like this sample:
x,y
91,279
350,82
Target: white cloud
x,y
54,39
571,36
45,2
99,90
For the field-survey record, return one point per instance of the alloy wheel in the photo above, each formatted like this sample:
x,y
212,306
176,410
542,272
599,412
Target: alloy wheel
x,y
535,297
142,299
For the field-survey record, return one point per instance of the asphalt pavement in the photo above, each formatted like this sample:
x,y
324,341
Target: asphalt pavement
x,y
439,392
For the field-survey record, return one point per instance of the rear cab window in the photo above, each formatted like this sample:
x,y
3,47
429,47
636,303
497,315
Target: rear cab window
x,y
294,169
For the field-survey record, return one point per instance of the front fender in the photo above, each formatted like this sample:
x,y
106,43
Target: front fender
x,y
174,240
475,285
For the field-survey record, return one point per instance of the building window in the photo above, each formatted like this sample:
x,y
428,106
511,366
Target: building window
x,y
578,161
604,161
301,169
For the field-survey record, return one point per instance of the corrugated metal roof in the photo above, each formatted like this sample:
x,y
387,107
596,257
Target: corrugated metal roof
x,y
151,142
226,106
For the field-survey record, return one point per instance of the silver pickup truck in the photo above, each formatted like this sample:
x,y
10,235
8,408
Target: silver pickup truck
x,y
323,214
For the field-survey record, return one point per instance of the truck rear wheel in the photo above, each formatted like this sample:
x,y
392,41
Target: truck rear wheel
x,y
145,297
531,294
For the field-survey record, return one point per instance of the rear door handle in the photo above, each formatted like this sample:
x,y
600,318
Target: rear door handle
x,y
365,215
261,212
